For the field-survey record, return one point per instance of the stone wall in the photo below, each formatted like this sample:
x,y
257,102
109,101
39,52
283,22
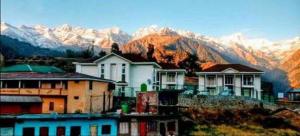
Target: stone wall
x,y
222,102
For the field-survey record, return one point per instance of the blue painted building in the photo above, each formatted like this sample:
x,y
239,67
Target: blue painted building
x,y
65,125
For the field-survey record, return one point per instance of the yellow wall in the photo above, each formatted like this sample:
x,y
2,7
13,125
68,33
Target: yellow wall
x,y
59,104
81,89
57,95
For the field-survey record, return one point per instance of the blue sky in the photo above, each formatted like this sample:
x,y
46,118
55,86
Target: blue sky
x,y
271,19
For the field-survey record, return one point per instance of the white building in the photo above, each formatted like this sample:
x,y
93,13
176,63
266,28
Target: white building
x,y
230,79
130,71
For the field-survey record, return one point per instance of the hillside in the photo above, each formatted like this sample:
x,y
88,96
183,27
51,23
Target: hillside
x,y
11,48
292,66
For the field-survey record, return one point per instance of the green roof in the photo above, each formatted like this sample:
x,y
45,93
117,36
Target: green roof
x,y
30,68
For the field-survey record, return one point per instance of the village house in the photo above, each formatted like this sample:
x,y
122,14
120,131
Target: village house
x,y
130,71
59,125
47,89
230,79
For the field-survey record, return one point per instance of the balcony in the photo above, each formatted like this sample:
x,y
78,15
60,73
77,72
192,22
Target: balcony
x,y
33,91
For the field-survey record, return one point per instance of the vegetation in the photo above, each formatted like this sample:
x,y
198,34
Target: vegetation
x,y
241,130
115,49
255,121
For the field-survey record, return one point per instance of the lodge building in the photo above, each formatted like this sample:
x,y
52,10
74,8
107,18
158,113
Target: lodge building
x,y
46,89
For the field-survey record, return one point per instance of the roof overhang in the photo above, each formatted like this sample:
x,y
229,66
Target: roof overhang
x,y
106,56
147,63
84,64
205,73
171,70
69,79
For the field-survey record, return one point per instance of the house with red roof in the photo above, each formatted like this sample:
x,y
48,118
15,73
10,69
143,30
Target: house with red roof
x,y
230,79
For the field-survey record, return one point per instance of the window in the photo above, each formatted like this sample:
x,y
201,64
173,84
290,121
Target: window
x,y
170,77
53,85
91,85
171,126
60,131
152,126
106,129
65,84
102,71
124,128
30,84
211,80
10,84
51,106
75,130
94,130
76,97
123,72
248,80
44,131
228,80
28,131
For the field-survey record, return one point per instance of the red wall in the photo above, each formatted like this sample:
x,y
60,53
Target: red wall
x,y
19,108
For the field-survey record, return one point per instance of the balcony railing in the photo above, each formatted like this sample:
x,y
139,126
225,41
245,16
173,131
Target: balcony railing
x,y
33,91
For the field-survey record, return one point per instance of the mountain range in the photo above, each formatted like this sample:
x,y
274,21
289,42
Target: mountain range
x,y
271,56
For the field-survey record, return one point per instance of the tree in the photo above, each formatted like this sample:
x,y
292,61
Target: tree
x,y
88,53
190,64
115,49
70,53
101,54
150,52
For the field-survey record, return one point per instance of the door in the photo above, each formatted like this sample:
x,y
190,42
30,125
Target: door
x,y
113,72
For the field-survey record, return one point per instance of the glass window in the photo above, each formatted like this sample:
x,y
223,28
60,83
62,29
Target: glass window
x,y
152,126
124,128
75,130
228,79
123,72
52,85
51,106
44,131
91,85
170,77
210,80
60,131
248,80
106,129
171,126
28,131
93,130
102,71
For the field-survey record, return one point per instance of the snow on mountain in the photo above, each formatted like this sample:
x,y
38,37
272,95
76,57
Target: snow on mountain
x,y
235,45
65,36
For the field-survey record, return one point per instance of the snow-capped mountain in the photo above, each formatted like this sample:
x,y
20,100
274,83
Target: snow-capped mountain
x,y
258,51
65,36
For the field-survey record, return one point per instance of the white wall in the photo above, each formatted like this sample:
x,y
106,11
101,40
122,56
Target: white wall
x,y
237,84
88,70
140,74
179,81
257,86
201,82
118,61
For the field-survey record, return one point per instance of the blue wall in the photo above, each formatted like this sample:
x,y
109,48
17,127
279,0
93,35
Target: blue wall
x,y
85,126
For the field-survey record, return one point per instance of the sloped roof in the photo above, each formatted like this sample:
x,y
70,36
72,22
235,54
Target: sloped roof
x,y
222,67
49,76
30,68
18,99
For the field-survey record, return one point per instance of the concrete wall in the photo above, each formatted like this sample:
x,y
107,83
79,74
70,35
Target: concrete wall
x,y
141,74
87,69
81,89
